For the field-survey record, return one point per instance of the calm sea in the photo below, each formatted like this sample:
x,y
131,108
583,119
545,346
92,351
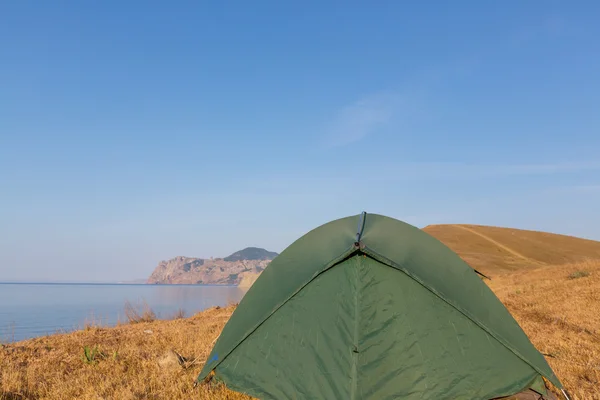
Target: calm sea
x,y
35,309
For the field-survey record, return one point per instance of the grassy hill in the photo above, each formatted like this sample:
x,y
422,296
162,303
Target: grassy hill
x,y
251,253
495,251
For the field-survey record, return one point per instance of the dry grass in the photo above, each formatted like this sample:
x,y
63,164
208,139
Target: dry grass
x,y
143,313
129,362
496,251
561,316
161,359
179,314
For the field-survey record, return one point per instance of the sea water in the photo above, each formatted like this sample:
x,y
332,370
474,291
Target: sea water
x,y
35,309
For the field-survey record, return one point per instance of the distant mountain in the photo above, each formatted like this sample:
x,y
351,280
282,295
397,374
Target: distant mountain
x,y
251,253
221,271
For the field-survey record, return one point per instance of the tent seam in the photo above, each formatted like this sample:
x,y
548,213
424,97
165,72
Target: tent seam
x,y
356,334
398,267
332,263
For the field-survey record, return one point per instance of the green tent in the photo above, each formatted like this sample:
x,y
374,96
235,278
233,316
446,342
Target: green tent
x,y
368,307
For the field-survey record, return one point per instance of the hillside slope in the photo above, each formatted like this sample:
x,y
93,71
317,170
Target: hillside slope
x,y
494,250
251,253
559,309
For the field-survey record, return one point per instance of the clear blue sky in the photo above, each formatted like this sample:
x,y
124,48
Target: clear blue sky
x,y
132,132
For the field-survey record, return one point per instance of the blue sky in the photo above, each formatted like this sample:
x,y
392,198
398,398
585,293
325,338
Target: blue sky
x,y
132,132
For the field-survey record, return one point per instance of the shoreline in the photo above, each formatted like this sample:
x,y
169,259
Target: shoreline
x,y
31,311
117,284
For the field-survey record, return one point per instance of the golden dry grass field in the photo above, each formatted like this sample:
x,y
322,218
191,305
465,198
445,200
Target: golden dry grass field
x,y
495,251
558,306
559,309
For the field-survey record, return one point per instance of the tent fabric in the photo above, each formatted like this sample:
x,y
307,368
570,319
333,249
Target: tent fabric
x,y
529,395
398,315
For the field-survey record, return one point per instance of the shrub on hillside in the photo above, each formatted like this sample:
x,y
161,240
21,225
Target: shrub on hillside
x,y
578,274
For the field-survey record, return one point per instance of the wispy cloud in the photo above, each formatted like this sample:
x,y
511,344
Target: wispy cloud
x,y
448,171
551,168
319,180
395,107
579,189
588,188
477,170
362,118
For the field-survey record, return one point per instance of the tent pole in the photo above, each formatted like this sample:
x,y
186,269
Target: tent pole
x,y
566,394
361,226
